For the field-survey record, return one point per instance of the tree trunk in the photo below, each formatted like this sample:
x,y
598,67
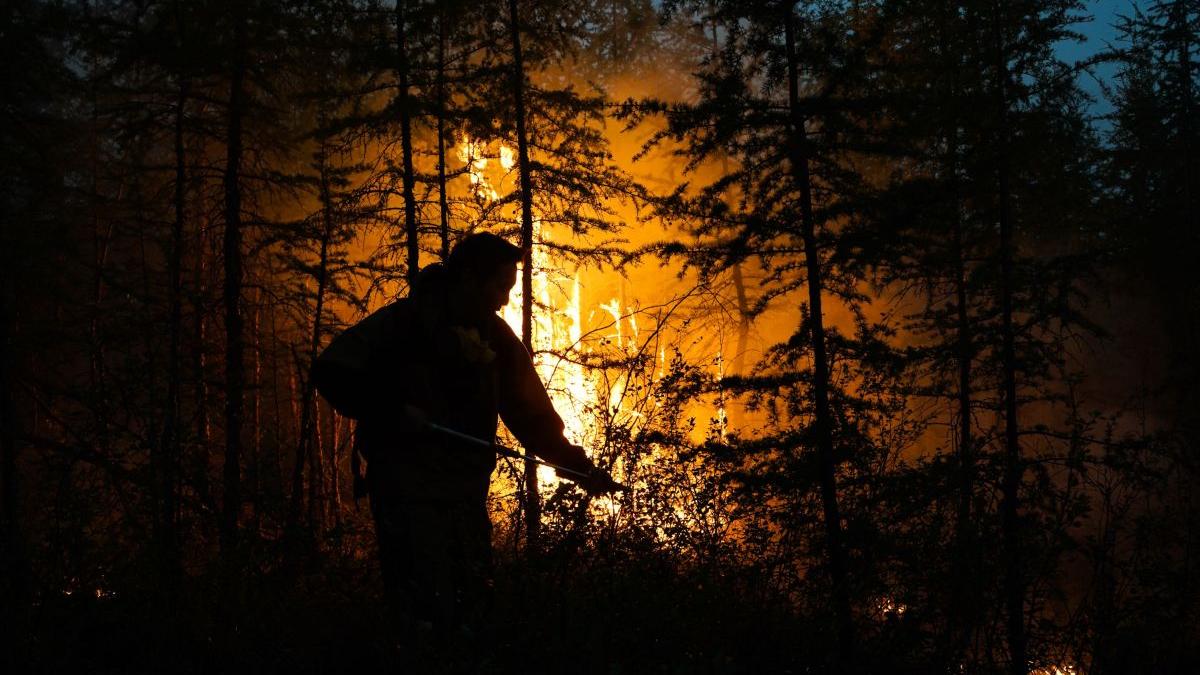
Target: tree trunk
x,y
1014,585
254,465
822,422
200,367
443,205
739,281
101,242
964,523
232,293
410,203
335,485
168,459
533,504
963,610
316,474
743,327
13,556
304,441
276,399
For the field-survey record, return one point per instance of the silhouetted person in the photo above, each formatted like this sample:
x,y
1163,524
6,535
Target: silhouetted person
x,y
442,355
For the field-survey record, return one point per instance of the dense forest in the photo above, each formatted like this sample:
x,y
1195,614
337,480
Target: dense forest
x,y
888,322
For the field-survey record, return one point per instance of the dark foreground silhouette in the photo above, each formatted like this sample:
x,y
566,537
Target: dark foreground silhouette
x,y
442,359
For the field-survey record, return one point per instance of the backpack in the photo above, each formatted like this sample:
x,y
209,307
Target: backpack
x,y
342,375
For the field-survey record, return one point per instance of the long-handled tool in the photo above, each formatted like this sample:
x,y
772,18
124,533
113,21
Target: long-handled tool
x,y
509,452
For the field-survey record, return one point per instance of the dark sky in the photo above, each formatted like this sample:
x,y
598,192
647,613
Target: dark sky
x,y
1100,34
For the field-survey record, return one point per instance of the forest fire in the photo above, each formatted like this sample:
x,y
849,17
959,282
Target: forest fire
x,y
872,326
557,345
557,318
564,337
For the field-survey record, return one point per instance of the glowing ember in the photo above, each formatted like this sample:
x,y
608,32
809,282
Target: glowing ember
x,y
1056,669
889,608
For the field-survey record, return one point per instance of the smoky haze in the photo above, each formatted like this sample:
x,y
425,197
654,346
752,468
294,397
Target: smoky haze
x,y
976,456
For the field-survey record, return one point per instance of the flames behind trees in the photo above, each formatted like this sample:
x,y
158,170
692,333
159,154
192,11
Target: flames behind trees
x,y
685,162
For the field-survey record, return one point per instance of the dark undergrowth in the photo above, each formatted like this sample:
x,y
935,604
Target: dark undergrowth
x,y
559,614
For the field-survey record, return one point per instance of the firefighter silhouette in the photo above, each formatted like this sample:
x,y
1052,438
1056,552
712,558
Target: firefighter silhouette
x,y
442,356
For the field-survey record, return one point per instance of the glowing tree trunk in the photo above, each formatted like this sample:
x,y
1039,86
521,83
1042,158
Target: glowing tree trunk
x,y
232,294
335,486
533,506
822,421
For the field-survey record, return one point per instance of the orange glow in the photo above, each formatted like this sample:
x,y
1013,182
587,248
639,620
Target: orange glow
x,y
582,318
557,334
1056,669
474,154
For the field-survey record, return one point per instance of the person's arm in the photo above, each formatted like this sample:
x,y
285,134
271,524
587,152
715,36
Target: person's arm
x,y
529,414
526,408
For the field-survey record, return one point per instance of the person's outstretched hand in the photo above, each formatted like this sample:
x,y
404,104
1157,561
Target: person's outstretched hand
x,y
598,482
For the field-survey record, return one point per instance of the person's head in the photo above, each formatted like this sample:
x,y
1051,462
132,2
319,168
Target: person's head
x,y
483,267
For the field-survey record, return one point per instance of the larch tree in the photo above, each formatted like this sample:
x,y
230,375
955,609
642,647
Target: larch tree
x,y
780,102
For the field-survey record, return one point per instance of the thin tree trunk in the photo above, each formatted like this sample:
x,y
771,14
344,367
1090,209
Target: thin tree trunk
x,y
200,368
316,474
294,403
822,422
533,504
13,556
304,441
965,524
232,293
1014,585
410,202
743,327
443,205
335,485
100,247
168,461
254,466
1105,620
277,446
963,609
739,281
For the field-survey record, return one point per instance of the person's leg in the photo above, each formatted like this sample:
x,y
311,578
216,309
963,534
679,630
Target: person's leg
x,y
472,553
395,558
430,531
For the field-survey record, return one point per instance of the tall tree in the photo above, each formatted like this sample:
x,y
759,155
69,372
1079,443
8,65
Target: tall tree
x,y
231,296
1153,179
780,103
404,103
799,164
533,509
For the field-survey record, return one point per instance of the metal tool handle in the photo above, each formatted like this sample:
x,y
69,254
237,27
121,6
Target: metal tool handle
x,y
509,452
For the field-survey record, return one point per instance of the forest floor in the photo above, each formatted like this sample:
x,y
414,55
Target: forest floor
x,y
325,616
